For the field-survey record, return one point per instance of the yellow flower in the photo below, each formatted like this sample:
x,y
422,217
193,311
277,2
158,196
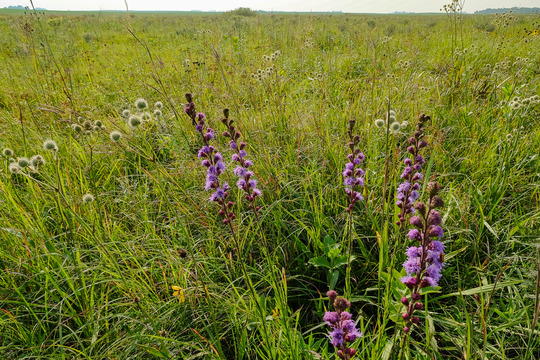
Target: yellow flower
x,y
275,312
178,291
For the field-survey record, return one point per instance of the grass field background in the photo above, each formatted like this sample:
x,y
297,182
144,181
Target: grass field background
x,y
85,279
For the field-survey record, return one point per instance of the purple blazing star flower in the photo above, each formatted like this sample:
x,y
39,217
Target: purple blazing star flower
x,y
343,329
246,181
353,179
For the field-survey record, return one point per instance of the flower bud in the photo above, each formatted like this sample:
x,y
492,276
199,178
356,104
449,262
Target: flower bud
x,y
415,319
418,306
421,208
437,202
226,113
405,301
434,218
341,304
406,329
332,295
415,221
433,188
405,316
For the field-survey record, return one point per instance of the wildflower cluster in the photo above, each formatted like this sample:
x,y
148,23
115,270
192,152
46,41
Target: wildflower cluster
x,y
353,176
390,124
262,74
407,191
424,262
142,114
18,165
86,127
344,331
246,180
517,103
272,57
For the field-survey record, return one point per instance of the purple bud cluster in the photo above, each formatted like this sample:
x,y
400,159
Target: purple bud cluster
x,y
353,176
344,331
197,119
408,191
425,260
246,180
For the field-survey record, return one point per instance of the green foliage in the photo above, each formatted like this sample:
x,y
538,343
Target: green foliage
x,y
243,11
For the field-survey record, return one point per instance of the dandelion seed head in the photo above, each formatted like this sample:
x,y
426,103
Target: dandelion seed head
x,y
146,116
76,128
157,113
379,123
158,105
7,152
126,113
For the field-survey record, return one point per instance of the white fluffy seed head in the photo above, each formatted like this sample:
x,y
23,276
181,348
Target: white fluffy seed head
x,y
134,121
88,198
37,161
115,136
141,104
379,123
395,127
14,168
23,162
50,145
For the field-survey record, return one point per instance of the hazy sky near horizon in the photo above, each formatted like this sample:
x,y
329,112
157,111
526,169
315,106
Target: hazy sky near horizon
x,y
356,6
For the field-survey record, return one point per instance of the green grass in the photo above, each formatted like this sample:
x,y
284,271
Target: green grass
x,y
93,281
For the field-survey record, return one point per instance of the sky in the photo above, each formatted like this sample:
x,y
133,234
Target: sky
x,y
351,6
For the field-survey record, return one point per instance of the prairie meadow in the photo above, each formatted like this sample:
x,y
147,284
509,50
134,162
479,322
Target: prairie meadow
x,y
248,185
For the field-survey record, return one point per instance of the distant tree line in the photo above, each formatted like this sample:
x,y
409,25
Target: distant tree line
x,y
517,10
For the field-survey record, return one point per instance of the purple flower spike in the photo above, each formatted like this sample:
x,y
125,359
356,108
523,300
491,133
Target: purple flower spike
x,y
424,262
353,176
246,181
343,329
